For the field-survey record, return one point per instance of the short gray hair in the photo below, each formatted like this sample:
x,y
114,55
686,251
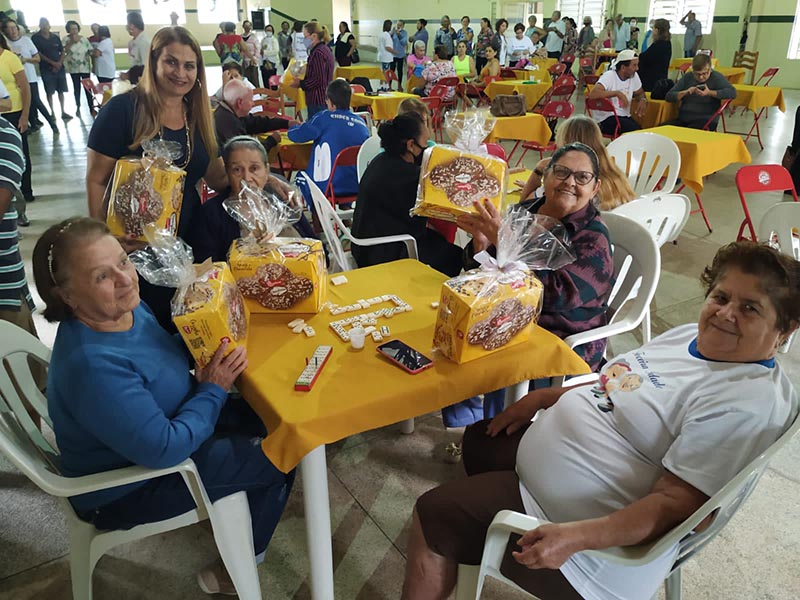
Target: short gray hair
x,y
419,44
243,142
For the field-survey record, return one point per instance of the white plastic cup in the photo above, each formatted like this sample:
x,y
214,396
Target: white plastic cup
x,y
357,335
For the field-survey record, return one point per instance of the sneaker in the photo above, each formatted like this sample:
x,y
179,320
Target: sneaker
x,y
452,453
66,117
34,127
214,579
23,221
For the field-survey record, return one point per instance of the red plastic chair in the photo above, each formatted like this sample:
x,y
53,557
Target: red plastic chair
x,y
590,79
347,157
768,75
495,149
96,92
271,106
506,73
451,83
434,104
720,112
443,91
605,105
567,59
753,179
391,76
585,67
684,67
274,82
557,92
448,81
554,110
557,70
357,88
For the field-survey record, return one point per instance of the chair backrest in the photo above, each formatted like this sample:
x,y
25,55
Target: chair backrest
x,y
779,227
88,85
663,215
439,91
272,106
449,81
752,179
647,159
358,88
495,149
603,104
562,91
558,109
347,157
369,150
432,102
767,75
720,112
557,69
330,222
684,67
746,60
274,81
564,80
586,65
591,79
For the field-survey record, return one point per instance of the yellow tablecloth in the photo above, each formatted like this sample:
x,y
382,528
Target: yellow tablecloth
x,y
756,97
513,196
359,391
733,74
533,92
298,155
368,71
657,113
703,152
675,63
531,127
294,94
384,106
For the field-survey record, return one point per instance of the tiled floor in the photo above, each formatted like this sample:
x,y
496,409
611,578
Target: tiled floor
x,y
375,477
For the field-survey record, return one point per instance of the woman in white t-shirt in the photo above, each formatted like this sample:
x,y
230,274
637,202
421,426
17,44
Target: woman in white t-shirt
x,y
105,64
386,47
623,461
520,46
298,43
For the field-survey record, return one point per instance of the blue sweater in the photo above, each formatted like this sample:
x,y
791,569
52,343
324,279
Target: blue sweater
x,y
124,398
331,132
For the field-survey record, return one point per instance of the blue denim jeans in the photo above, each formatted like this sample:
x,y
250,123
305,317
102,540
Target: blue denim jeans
x,y
472,410
230,461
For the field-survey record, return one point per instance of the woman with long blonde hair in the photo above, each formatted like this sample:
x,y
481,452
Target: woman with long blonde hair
x,y
614,187
170,103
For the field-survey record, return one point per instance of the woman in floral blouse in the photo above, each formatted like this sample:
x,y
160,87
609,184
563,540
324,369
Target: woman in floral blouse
x,y
440,67
482,41
78,62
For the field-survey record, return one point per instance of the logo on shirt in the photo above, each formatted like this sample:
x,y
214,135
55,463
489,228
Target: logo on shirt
x,y
617,377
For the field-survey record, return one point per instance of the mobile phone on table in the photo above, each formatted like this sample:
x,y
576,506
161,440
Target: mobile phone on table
x,y
405,357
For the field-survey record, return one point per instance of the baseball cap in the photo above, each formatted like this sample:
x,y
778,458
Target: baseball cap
x,y
623,56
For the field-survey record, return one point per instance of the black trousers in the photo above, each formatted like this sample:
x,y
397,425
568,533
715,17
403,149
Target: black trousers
x,y
38,105
480,62
76,89
285,63
626,124
13,118
399,66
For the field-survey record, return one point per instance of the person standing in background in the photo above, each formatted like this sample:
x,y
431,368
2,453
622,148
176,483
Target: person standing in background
x,y
445,36
532,28
646,41
386,47
694,34
270,53
422,34
483,41
400,40
465,34
298,43
139,45
105,63
633,43
345,46
29,55
654,62
556,31
622,33
500,42
586,36
570,46
53,74
19,92
253,61
285,44
319,72
78,62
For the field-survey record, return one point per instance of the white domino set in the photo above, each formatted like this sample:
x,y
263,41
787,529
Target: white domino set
x,y
369,320
309,375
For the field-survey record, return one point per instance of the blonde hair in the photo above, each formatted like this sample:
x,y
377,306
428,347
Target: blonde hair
x,y
614,187
313,27
149,106
414,105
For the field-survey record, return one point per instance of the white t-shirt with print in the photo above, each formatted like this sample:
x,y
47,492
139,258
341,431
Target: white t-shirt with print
x,y
516,48
299,50
612,83
25,48
661,407
553,43
385,40
105,65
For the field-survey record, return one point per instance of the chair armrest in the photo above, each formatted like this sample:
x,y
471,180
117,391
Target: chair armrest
x,y
599,333
73,486
409,241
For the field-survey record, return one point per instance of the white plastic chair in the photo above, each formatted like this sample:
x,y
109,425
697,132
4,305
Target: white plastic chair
x,y
664,216
331,222
369,150
723,505
31,453
646,158
637,268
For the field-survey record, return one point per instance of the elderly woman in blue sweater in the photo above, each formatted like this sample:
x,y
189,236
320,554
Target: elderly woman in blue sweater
x,y
120,392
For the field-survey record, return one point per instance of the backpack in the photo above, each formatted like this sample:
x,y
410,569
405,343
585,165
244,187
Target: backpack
x,y
661,88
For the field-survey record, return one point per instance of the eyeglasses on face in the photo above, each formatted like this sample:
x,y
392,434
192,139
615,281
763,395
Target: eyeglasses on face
x,y
581,177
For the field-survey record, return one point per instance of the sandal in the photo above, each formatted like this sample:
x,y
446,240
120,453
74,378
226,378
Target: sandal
x,y
214,579
452,453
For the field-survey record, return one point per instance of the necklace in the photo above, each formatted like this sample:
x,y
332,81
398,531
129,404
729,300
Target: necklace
x,y
188,155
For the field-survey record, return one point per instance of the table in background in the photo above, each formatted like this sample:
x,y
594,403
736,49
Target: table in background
x,y
513,195
360,391
383,106
543,63
676,63
533,92
703,153
656,113
296,154
733,74
368,71
757,98
530,127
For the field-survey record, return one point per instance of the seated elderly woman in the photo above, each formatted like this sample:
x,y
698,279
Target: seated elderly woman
x,y
387,192
575,297
245,159
623,461
120,393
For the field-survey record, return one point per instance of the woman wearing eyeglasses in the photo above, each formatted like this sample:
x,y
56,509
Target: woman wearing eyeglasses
x,y
575,297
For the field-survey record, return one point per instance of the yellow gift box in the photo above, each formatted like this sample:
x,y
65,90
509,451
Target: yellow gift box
x,y
284,275
143,195
452,179
211,311
481,312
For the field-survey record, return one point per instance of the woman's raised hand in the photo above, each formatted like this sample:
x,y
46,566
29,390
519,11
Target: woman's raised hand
x,y
483,225
223,370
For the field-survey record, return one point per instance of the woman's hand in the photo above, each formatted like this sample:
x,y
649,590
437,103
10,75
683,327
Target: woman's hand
x,y
223,370
549,546
485,222
514,417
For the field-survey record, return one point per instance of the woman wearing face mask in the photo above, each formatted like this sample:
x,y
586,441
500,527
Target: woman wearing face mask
x,y
383,209
270,53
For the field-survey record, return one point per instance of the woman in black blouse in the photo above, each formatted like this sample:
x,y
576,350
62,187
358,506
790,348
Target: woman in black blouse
x,y
654,62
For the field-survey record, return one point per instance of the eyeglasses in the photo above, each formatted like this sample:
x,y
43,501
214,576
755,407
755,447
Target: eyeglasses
x,y
581,177
705,73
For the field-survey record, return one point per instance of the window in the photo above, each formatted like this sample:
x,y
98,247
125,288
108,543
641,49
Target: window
x,y
47,9
675,10
578,9
794,41
112,12
158,13
217,11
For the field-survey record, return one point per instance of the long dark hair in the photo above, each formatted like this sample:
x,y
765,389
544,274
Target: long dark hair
x,y
395,133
